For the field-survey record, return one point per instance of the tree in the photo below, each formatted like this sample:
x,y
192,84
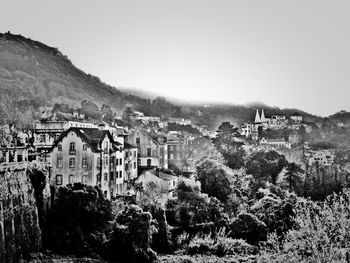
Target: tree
x,y
214,180
227,144
293,177
321,233
265,166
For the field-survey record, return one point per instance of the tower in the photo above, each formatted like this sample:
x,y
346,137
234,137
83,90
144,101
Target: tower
x,y
263,119
257,116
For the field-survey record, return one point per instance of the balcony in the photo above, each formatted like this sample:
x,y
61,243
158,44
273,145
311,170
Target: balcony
x,y
72,152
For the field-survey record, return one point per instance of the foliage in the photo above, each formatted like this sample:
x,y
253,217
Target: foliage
x,y
132,237
265,166
219,244
214,180
248,227
227,144
292,178
321,233
192,207
90,110
79,220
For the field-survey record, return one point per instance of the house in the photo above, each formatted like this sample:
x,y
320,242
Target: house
x,y
176,148
47,130
296,118
323,157
13,154
166,183
276,143
89,156
152,149
180,121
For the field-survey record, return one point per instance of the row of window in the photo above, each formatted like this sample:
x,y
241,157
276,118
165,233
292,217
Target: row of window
x,y
71,163
84,162
59,179
71,147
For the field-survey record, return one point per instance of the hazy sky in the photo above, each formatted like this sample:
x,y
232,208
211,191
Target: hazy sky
x,y
283,53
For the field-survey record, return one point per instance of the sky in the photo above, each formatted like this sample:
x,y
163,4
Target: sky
x,y
283,53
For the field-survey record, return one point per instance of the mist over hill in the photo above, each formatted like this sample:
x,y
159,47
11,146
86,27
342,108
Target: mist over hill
x,y
33,74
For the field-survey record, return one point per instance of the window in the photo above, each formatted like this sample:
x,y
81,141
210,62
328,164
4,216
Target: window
x,y
134,165
71,179
71,162
106,161
149,152
138,142
106,147
42,138
135,153
59,179
173,183
111,176
120,174
84,179
72,148
59,162
84,147
149,162
126,155
120,161
126,167
59,147
84,162
116,161
105,177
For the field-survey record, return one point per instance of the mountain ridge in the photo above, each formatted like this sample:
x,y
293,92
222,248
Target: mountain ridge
x,y
34,73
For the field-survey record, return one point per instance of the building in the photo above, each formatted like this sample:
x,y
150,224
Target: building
x,y
166,183
323,157
13,154
152,149
89,156
296,118
47,130
180,121
176,149
276,143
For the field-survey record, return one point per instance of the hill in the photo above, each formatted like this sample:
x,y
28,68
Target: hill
x,y
30,70
33,74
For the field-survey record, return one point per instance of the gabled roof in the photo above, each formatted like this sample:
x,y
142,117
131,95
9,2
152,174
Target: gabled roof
x,y
91,136
129,146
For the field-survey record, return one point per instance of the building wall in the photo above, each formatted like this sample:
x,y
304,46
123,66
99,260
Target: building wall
x,y
149,149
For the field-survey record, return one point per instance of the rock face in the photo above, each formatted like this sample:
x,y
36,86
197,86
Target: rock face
x,y
20,233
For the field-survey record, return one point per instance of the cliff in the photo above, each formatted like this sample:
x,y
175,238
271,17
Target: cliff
x,y
20,233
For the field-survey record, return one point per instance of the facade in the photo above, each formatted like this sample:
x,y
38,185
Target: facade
x,y
13,154
276,143
46,131
325,157
296,118
167,183
180,121
152,149
88,156
176,149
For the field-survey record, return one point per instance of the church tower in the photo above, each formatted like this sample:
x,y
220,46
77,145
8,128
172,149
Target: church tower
x,y
257,117
263,119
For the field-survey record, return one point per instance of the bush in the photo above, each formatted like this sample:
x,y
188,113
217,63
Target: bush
x,y
321,233
220,245
248,227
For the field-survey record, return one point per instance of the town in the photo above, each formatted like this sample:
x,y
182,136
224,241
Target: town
x,y
118,158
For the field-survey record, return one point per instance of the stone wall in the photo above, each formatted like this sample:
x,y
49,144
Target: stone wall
x,y
19,224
